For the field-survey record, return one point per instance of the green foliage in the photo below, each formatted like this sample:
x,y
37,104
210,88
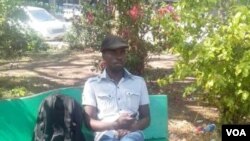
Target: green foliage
x,y
15,41
217,54
89,30
15,92
15,44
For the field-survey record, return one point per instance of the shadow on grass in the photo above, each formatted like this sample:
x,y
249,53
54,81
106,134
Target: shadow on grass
x,y
179,108
45,71
159,59
33,85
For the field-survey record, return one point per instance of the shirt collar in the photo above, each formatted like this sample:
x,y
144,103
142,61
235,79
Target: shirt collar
x,y
104,74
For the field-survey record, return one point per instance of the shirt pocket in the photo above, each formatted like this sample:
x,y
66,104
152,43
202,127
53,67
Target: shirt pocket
x,y
105,103
133,100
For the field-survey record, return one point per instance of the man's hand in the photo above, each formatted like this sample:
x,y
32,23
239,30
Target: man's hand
x,y
128,122
125,121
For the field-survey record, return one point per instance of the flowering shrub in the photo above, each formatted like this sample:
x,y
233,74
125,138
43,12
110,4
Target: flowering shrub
x,y
133,23
168,9
135,12
89,30
129,19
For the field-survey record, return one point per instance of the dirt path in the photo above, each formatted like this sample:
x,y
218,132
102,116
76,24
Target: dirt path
x,y
66,70
73,69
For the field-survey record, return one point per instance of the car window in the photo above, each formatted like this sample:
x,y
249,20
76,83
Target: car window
x,y
67,6
41,15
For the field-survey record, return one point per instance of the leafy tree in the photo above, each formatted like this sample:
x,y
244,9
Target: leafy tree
x,y
133,23
88,31
213,44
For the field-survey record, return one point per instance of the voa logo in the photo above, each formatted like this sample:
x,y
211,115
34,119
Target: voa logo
x,y
236,132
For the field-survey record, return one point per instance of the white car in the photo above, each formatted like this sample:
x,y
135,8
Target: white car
x,y
45,24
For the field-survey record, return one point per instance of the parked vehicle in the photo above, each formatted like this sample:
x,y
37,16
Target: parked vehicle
x,y
43,23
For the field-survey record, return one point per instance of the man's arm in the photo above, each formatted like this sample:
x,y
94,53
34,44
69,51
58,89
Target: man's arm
x,y
144,119
96,125
123,122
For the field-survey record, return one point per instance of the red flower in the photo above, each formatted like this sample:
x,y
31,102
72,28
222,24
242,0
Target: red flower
x,y
170,8
135,12
90,17
166,9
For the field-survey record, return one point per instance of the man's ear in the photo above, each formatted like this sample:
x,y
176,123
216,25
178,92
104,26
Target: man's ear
x,y
104,55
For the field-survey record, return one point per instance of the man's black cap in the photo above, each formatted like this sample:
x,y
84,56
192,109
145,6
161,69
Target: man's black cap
x,y
113,42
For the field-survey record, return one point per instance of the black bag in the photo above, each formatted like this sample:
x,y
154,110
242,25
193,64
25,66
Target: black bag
x,y
60,118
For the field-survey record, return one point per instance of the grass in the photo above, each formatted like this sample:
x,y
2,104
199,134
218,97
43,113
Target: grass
x,y
22,84
42,71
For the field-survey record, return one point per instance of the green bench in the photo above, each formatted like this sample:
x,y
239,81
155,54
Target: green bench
x,y
18,116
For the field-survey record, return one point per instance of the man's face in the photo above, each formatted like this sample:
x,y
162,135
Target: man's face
x,y
115,58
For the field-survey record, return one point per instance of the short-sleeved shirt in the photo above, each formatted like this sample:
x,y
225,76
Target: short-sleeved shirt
x,y
110,98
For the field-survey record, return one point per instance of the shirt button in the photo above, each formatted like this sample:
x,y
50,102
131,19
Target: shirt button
x,y
119,99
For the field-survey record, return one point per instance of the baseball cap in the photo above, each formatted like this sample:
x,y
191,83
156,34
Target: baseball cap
x,y
113,42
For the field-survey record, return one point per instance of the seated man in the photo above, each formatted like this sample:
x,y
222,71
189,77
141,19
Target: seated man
x,y
116,102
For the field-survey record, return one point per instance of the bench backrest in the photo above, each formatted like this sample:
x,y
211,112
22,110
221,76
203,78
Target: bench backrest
x,y
18,116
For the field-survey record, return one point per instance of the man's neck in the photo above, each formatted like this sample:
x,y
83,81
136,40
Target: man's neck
x,y
115,75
